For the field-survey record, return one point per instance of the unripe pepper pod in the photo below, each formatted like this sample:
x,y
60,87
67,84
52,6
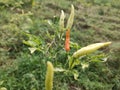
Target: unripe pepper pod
x,y
61,22
49,76
89,49
71,18
67,41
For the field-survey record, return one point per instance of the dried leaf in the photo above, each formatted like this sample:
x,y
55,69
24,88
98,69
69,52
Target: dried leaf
x,y
59,70
32,50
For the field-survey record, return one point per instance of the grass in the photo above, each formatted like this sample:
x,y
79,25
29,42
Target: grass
x,y
94,22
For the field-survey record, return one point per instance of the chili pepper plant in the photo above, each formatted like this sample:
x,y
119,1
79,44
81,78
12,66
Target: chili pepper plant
x,y
69,58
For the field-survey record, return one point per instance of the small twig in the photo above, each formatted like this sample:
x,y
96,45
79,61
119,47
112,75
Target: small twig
x,y
53,41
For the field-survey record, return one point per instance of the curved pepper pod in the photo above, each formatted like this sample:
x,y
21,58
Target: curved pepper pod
x,y
89,49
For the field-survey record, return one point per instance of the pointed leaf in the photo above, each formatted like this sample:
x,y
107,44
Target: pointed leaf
x,y
75,74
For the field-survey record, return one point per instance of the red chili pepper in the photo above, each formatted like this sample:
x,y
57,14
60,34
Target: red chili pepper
x,y
67,41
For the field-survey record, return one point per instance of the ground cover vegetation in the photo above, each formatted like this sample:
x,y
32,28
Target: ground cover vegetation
x,y
35,34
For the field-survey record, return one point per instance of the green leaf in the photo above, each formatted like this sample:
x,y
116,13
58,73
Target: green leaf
x,y
70,61
1,82
30,43
75,74
73,62
74,45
